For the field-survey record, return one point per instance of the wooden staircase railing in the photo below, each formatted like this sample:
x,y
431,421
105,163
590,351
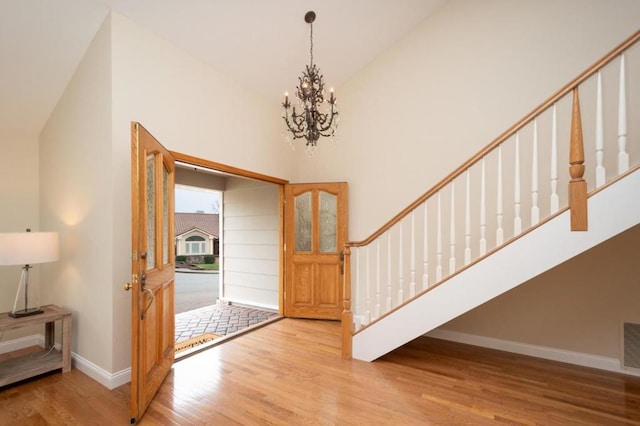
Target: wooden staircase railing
x,y
381,284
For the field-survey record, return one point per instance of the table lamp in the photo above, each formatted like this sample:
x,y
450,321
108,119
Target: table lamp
x,y
27,248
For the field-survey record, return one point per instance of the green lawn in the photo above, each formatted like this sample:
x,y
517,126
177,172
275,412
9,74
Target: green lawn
x,y
211,266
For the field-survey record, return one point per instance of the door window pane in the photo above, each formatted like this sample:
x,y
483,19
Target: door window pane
x,y
328,222
303,222
151,212
165,216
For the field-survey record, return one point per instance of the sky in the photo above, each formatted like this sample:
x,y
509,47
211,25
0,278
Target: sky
x,y
192,200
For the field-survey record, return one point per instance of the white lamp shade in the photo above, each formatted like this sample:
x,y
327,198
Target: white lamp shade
x,y
26,248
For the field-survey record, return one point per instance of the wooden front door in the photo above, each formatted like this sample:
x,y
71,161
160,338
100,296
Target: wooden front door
x,y
152,267
315,233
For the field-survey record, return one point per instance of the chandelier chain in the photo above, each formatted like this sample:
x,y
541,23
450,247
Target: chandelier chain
x,y
311,44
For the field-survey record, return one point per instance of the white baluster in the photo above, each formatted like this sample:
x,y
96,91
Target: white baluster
x,y
452,231
412,284
600,170
499,230
389,282
467,223
535,210
358,286
439,242
554,200
400,267
425,274
483,213
377,307
517,220
623,156
368,287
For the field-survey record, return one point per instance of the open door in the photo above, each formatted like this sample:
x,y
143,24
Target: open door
x,y
315,233
152,267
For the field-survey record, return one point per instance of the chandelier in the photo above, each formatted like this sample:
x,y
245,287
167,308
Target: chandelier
x,y
310,123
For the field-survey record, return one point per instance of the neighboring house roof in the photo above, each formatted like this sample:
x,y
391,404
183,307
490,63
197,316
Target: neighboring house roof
x,y
206,222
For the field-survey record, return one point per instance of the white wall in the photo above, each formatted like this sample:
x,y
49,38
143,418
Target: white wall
x,y
251,249
455,83
578,306
190,107
19,173
77,200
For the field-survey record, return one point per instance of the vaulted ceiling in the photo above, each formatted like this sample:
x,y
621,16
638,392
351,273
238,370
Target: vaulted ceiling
x,y
262,44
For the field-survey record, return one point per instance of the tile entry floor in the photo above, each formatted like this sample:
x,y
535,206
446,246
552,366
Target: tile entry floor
x,y
221,319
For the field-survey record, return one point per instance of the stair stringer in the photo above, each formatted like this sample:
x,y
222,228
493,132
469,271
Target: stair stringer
x,y
611,211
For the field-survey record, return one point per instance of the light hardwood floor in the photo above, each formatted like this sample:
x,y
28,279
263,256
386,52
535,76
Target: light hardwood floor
x,y
290,373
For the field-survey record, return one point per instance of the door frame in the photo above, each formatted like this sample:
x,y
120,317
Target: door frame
x,y
237,172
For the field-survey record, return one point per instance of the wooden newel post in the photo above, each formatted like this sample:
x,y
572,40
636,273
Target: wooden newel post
x,y
347,315
577,185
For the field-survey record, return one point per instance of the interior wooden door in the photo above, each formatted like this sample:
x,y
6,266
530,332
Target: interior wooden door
x,y
315,233
153,272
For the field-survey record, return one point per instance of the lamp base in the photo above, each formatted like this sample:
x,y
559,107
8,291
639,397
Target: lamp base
x,y
25,312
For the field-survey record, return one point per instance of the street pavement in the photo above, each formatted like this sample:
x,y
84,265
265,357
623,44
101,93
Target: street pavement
x,y
195,290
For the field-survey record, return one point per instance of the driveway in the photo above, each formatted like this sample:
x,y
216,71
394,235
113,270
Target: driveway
x,y
195,290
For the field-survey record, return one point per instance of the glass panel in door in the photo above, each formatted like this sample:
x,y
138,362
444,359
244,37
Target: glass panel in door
x,y
303,222
328,222
165,216
151,212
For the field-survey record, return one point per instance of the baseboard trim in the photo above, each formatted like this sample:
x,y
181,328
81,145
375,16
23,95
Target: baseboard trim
x,y
21,343
249,304
109,380
545,352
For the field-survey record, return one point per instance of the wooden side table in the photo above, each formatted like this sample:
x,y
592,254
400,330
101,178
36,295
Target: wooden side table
x,y
26,366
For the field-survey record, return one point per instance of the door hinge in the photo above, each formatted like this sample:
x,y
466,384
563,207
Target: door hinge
x,y
134,278
134,255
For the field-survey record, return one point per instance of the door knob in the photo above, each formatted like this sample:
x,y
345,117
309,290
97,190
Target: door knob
x,y
127,286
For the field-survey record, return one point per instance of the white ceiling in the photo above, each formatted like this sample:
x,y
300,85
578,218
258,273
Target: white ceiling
x,y
263,44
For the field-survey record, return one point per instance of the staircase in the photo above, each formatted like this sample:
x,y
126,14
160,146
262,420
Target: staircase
x,y
611,211
403,282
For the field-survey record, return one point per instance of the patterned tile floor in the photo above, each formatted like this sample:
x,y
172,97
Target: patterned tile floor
x,y
220,319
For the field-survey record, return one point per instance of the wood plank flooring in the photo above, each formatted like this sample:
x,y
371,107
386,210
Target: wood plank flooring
x,y
290,373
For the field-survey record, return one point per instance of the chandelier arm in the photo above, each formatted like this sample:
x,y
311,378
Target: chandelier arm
x,y
297,124
322,119
330,128
288,123
301,123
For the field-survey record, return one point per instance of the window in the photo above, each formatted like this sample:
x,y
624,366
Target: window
x,y
195,245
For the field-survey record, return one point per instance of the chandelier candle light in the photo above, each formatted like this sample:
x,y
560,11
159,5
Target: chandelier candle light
x,y
310,123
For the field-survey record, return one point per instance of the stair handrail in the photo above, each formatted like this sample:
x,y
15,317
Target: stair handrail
x,y
503,137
